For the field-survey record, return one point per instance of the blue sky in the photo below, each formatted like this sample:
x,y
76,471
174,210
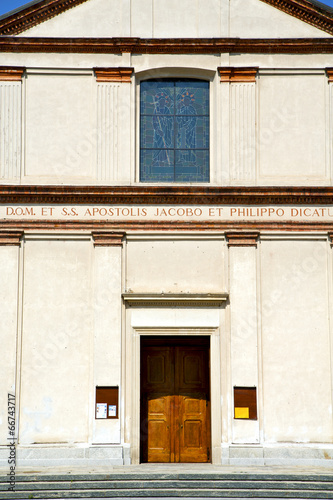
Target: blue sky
x,y
7,5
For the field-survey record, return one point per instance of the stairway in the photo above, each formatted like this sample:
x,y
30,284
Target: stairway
x,y
170,485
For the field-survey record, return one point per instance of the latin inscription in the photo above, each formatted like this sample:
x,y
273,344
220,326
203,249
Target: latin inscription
x,y
165,213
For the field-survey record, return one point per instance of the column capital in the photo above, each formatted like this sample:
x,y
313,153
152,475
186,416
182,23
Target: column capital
x,y
113,74
242,239
12,238
329,73
238,75
108,238
11,73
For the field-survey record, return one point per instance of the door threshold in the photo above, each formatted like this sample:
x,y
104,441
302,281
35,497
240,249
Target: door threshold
x,y
177,464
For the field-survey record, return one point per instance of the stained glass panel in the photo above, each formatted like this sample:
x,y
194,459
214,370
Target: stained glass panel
x,y
158,132
174,131
159,165
191,165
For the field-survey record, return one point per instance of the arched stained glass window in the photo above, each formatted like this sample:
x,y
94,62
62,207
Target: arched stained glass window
x,y
174,130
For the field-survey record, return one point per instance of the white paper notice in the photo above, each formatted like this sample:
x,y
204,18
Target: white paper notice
x,y
112,411
101,409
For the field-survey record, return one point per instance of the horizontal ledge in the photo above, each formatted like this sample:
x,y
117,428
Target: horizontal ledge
x,y
108,75
11,73
238,75
167,195
158,226
175,299
118,45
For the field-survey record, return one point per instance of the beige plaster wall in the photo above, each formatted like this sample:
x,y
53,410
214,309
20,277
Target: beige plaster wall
x,y
274,334
155,18
74,130
292,142
296,366
9,273
94,18
59,130
56,343
175,266
107,335
256,19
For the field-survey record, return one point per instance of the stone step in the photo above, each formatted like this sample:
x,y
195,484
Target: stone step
x,y
169,485
162,476
165,493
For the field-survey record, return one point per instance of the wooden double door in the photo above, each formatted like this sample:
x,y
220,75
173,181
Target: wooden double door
x,y
175,399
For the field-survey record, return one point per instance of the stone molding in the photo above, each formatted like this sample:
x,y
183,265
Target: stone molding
x,y
238,75
330,238
11,73
329,73
47,9
131,225
166,195
166,45
34,15
108,238
242,239
10,238
306,11
175,299
113,74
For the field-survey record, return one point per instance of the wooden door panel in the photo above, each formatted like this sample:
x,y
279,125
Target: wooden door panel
x,y
191,363
158,369
159,428
194,422
157,386
192,378
175,409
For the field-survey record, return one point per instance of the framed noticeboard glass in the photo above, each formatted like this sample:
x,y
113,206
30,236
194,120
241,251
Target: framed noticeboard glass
x,y
107,406
245,403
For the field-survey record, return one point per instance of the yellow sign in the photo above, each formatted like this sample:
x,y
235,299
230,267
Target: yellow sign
x,y
242,413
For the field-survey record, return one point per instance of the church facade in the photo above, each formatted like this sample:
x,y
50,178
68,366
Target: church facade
x,y
166,229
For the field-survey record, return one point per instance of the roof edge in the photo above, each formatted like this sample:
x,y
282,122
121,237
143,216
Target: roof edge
x,y
306,11
34,13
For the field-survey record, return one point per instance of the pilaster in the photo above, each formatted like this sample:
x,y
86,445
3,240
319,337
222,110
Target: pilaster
x,y
107,325
9,293
329,73
113,123
242,119
10,119
243,324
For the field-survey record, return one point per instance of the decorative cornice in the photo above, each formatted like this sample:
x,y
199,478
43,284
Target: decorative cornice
x,y
239,75
242,239
12,238
175,300
329,72
108,238
305,11
167,45
201,226
35,14
11,73
166,195
113,74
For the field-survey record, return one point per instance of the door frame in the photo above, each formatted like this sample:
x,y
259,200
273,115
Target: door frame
x,y
132,376
182,342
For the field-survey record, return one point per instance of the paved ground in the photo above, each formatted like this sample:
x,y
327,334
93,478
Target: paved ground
x,y
171,468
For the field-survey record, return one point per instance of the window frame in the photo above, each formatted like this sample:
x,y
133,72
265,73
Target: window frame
x,y
172,73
